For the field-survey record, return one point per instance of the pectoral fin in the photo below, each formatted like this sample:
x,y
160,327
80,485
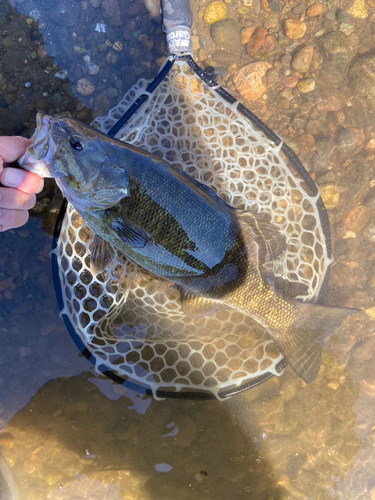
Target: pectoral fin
x,y
128,231
102,255
264,243
195,306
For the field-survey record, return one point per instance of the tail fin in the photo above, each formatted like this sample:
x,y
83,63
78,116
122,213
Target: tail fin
x,y
300,345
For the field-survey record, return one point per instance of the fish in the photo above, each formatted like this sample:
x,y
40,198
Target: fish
x,y
179,229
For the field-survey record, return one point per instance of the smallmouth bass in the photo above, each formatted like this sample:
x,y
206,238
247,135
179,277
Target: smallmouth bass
x,y
178,229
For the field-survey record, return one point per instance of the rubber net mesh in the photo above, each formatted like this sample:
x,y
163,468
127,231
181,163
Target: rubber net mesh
x,y
132,321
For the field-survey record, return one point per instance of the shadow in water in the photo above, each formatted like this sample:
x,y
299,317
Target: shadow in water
x,y
71,441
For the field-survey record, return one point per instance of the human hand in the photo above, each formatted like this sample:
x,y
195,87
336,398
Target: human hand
x,y
18,187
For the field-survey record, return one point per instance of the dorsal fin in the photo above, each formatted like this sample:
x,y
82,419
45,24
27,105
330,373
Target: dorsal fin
x,y
263,241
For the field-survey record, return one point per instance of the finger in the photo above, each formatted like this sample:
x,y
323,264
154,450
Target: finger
x,y
13,218
11,148
28,182
4,228
13,198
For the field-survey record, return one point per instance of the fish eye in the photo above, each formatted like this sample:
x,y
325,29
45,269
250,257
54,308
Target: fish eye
x,y
75,144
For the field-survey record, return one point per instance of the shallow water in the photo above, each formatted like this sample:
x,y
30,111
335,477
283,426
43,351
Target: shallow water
x,y
66,432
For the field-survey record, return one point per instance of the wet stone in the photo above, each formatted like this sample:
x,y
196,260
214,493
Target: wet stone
x,y
356,219
79,49
290,81
226,34
314,10
9,98
302,59
345,140
362,78
95,3
306,85
330,194
85,87
335,57
215,11
111,12
294,29
358,9
250,80
101,105
256,41
92,68
342,16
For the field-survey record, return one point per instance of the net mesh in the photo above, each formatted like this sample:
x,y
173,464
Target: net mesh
x,y
132,321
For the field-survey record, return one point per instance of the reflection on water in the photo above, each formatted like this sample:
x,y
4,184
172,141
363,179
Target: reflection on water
x,y
66,433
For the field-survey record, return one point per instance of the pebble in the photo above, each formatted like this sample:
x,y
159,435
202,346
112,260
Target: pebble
x,y
256,41
330,194
85,87
358,9
226,34
356,219
9,98
294,29
79,49
342,16
111,12
25,351
334,49
92,68
301,60
250,80
345,140
306,85
101,105
246,34
290,81
314,10
362,78
35,14
95,3
215,11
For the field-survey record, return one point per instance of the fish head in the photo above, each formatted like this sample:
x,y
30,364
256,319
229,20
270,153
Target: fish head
x,y
72,153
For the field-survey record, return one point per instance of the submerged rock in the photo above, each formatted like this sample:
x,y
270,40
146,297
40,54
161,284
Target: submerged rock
x,y
111,12
302,59
362,78
250,81
334,49
226,34
294,29
215,11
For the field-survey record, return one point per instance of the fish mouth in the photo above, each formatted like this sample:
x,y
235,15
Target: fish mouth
x,y
39,156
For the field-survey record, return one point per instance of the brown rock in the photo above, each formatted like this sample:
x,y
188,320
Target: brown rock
x,y
250,80
290,81
294,29
111,12
101,106
246,34
256,41
302,59
359,136
357,218
4,284
85,87
314,10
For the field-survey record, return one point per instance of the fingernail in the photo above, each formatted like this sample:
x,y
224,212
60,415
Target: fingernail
x,y
13,178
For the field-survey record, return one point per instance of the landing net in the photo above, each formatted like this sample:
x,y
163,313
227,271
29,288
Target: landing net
x,y
131,321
